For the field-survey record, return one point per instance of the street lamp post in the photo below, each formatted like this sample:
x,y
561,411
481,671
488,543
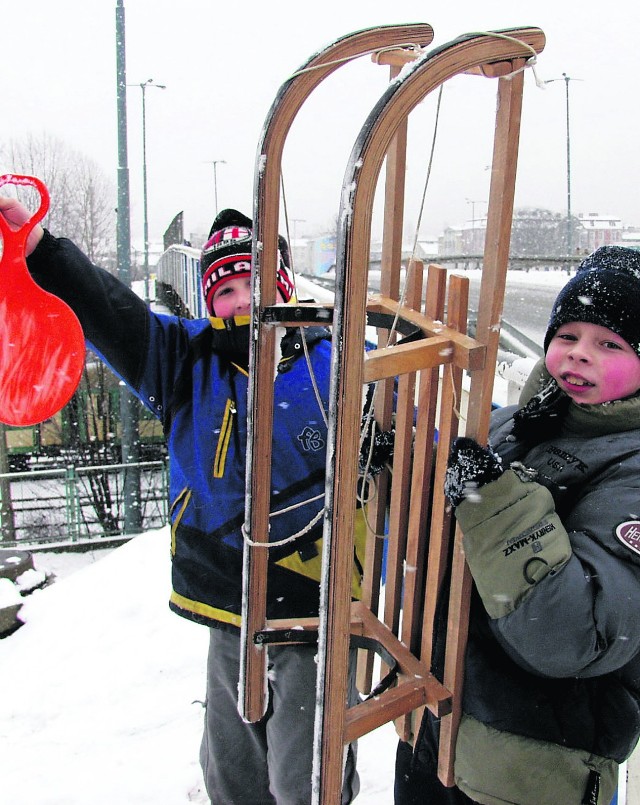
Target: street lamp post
x,y
473,203
566,80
143,86
130,439
215,163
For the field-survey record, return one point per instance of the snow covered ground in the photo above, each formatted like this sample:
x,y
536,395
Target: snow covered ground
x,y
101,690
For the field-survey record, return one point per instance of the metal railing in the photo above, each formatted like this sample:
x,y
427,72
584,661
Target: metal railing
x,y
78,503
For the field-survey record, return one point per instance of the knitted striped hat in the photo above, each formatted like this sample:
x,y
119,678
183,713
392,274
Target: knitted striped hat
x,y
227,255
604,291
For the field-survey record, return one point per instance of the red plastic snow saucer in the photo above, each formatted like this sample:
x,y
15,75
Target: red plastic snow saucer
x,y
42,347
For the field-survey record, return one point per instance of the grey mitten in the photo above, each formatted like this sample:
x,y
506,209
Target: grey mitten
x,y
469,466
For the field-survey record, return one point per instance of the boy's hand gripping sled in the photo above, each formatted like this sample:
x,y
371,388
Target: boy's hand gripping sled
x,y
42,346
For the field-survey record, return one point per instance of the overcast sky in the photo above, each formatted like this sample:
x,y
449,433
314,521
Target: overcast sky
x,y
222,64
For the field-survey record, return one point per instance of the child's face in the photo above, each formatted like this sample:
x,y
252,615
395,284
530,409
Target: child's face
x,y
592,364
233,298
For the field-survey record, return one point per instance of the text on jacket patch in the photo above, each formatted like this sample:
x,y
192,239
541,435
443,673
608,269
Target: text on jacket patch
x,y
629,535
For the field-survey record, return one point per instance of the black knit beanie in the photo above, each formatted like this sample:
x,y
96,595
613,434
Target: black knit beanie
x,y
227,254
604,291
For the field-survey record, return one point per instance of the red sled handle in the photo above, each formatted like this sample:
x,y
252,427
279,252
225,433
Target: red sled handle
x,y
15,240
41,341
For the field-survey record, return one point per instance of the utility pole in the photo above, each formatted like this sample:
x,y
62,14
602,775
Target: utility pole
x,y
215,163
569,228
474,246
130,439
7,519
566,80
143,86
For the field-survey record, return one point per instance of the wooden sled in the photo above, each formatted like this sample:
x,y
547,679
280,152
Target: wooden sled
x,y
284,109
417,513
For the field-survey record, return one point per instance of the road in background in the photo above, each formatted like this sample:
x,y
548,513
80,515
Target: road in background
x,y
529,297
526,307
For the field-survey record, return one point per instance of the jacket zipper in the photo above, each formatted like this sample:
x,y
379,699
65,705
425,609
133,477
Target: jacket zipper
x,y
183,501
224,438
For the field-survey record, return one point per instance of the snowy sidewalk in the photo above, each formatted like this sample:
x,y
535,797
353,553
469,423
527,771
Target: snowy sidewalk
x,y
102,689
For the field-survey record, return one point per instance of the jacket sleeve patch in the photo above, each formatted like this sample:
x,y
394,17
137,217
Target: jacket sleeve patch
x,y
628,533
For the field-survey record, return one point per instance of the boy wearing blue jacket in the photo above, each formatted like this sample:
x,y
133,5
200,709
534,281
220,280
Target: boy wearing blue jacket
x,y
193,375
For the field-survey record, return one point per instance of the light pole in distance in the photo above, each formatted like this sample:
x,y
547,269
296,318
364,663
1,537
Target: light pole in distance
x,y
473,202
566,80
143,86
215,163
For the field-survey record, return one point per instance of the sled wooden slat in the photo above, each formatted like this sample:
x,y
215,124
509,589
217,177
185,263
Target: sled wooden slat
x,y
419,479
402,457
415,689
490,304
288,102
392,361
433,540
448,424
421,486
468,353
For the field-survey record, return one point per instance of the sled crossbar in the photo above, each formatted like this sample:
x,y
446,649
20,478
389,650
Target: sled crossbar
x,y
445,344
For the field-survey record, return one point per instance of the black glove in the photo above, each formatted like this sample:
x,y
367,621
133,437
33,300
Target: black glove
x,y
541,418
469,467
372,460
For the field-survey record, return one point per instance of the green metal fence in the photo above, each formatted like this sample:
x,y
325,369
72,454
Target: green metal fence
x,y
78,503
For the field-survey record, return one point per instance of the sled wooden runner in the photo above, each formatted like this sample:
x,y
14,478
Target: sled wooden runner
x,y
442,346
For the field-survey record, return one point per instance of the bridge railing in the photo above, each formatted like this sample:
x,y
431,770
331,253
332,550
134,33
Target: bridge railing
x,y
78,503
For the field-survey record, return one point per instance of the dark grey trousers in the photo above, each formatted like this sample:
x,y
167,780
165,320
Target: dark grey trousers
x,y
269,762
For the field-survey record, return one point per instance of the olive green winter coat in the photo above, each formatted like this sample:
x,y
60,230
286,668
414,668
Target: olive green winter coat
x,y
552,676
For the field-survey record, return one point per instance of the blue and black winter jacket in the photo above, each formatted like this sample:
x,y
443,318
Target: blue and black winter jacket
x,y
176,368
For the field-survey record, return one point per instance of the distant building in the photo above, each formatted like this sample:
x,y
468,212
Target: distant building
x,y
318,255
428,248
425,250
451,241
473,236
598,230
629,238
592,231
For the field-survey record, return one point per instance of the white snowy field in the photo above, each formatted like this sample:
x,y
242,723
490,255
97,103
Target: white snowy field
x,y
101,690
554,278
